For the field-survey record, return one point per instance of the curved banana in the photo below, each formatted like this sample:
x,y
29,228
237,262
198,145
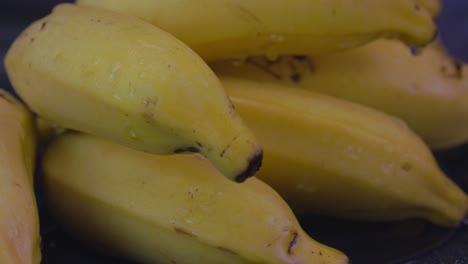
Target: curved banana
x,y
335,157
429,91
19,218
122,78
232,29
170,209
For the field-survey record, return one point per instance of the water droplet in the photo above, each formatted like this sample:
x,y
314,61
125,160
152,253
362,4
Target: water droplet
x,y
276,38
114,70
117,97
131,133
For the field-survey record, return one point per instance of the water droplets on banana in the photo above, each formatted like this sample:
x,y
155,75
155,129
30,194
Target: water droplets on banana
x,y
353,152
131,132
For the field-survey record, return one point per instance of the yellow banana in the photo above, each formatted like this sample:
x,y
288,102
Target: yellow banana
x,y
171,208
231,29
428,91
335,157
122,78
433,6
19,219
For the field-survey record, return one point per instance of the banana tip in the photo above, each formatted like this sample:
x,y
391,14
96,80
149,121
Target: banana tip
x,y
254,165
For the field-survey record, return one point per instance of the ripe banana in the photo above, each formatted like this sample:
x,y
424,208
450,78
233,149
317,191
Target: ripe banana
x,y
19,219
232,29
171,208
122,78
433,6
335,157
428,91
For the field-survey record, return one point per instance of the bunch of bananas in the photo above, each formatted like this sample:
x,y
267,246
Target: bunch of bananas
x,y
163,111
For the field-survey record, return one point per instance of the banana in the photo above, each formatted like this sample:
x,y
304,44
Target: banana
x,y
432,6
170,208
428,91
119,77
335,157
235,29
19,219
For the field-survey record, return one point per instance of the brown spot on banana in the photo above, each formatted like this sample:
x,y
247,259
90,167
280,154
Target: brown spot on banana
x,y
452,71
253,166
293,242
406,166
310,64
227,146
149,109
295,77
192,192
43,25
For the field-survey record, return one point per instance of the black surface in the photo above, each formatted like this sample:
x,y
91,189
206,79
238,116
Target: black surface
x,y
409,242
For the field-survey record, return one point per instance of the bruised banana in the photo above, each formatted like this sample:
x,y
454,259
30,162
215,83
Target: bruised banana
x,y
119,77
170,208
428,91
235,29
19,219
335,157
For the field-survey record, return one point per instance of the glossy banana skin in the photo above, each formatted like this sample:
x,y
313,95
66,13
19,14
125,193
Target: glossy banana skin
x,y
335,157
121,78
235,29
19,219
428,91
170,209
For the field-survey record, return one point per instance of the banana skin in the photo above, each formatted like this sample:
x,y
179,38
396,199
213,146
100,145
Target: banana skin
x,y
19,218
433,6
428,91
170,208
334,157
121,78
239,28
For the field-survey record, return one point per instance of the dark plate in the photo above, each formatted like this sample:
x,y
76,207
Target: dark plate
x,y
410,242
